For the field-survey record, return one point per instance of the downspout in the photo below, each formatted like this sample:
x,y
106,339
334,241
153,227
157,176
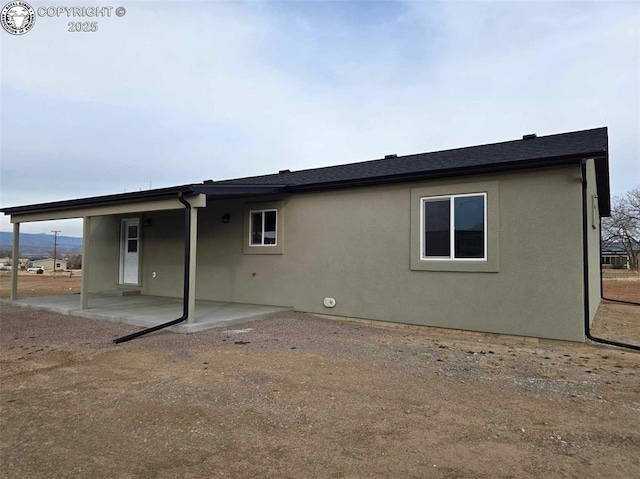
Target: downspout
x,y
185,292
585,269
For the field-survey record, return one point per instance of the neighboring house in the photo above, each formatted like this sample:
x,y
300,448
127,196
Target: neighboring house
x,y
501,238
5,263
615,256
47,264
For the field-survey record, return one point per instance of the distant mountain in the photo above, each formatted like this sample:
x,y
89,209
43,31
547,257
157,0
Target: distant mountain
x,y
41,244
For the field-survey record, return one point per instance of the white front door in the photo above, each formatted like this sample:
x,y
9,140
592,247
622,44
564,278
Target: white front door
x,y
129,251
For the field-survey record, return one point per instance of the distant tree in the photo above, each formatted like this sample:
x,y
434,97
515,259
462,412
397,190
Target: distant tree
x,y
6,253
623,226
74,261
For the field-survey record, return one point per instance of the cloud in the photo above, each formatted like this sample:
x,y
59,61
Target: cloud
x,y
220,89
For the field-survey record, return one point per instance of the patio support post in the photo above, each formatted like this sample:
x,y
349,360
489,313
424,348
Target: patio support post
x,y
15,261
193,238
84,285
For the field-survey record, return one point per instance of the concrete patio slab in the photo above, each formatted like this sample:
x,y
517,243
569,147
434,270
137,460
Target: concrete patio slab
x,y
147,311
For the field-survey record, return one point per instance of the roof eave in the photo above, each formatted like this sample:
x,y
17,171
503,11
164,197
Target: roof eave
x,y
449,172
228,191
601,165
106,200
139,196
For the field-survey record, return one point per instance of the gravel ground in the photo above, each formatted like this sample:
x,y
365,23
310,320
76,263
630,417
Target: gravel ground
x,y
303,396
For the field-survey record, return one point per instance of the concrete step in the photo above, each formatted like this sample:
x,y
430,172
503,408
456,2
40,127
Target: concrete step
x,y
120,292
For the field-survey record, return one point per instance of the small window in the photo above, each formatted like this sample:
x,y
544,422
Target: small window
x,y
263,228
454,227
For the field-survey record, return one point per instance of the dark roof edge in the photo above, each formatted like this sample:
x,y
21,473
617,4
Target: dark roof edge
x,y
237,189
138,196
602,170
444,173
93,201
602,182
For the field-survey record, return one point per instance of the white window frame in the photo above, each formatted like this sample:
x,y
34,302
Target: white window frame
x,y
263,244
452,218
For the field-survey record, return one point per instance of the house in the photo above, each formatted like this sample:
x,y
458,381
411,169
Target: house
x,y
5,263
47,264
500,238
615,256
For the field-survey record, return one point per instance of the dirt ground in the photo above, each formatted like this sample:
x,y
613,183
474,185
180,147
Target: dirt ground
x,y
31,284
621,284
302,396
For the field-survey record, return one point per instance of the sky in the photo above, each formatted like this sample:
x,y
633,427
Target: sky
x,y
180,92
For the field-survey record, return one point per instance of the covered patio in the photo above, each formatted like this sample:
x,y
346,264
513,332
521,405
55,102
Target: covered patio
x,y
149,311
181,315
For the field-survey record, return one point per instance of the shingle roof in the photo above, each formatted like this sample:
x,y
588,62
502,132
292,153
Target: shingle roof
x,y
535,152
586,143
509,155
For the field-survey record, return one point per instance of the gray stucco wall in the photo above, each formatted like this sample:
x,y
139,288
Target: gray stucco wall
x,y
104,253
355,246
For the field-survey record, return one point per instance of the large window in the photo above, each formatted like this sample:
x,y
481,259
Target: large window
x,y
454,227
263,228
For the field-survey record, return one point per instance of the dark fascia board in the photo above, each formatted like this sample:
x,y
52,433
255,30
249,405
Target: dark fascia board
x,y
602,177
603,187
116,199
238,190
602,173
137,196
